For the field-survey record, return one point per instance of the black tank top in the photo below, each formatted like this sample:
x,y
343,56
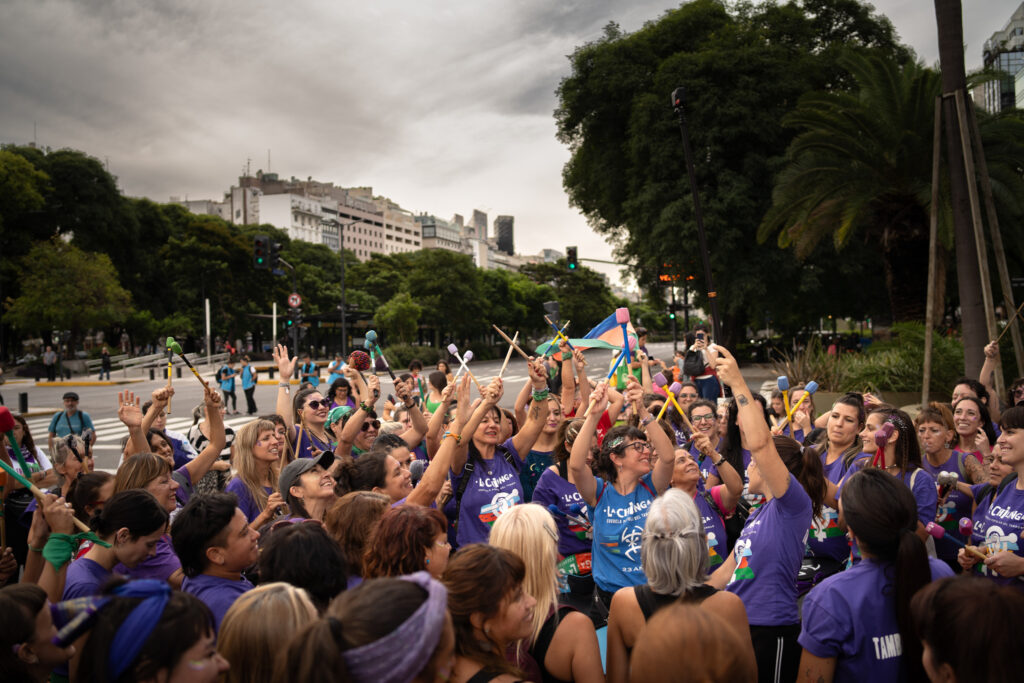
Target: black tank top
x,y
650,602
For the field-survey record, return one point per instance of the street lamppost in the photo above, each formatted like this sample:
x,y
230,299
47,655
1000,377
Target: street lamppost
x,y
341,252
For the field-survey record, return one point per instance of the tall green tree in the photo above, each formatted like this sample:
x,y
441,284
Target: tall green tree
x,y
400,316
66,288
743,68
583,295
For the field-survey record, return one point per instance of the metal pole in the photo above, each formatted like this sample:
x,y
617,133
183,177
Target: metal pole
x,y
209,339
344,326
933,232
677,105
295,327
675,331
273,325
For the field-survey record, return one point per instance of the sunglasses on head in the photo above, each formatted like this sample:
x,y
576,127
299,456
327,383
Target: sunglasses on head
x,y
366,425
317,404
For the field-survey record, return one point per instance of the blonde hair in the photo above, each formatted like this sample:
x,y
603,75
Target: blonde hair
x,y
256,626
61,452
246,467
529,531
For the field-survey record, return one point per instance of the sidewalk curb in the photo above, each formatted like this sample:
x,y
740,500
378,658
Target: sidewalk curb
x,y
93,383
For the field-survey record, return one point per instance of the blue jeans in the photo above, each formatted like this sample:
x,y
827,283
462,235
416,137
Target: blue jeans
x,y
709,388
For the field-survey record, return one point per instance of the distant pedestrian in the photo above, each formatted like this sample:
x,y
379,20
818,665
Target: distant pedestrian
x,y
50,363
70,421
249,379
309,372
105,363
226,378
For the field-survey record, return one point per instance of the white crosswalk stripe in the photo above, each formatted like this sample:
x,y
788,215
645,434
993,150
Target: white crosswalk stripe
x,y
111,430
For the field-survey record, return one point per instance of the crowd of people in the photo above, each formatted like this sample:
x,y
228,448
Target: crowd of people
x,y
622,530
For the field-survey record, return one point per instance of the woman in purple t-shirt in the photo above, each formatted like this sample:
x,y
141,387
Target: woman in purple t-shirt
x,y
763,567
257,469
857,623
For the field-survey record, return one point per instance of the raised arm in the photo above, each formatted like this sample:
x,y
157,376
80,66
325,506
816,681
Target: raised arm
x,y
986,376
645,372
354,424
522,399
130,414
580,473
580,363
437,421
286,367
201,464
437,472
464,416
568,379
662,446
414,435
754,430
530,431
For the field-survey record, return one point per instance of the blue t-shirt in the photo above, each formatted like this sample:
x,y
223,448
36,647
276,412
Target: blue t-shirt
x,y
84,578
62,424
218,594
314,378
493,488
768,554
227,378
618,528
851,616
248,377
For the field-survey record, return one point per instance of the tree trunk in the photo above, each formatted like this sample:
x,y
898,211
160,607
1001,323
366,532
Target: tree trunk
x,y
948,16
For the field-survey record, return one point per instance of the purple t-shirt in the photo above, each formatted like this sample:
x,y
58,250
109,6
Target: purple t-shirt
x,y
852,616
553,490
84,578
218,593
245,500
826,537
306,444
160,566
185,488
768,554
948,514
493,488
714,525
618,528
707,468
998,526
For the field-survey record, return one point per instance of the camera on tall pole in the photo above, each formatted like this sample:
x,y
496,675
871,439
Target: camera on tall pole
x,y
678,95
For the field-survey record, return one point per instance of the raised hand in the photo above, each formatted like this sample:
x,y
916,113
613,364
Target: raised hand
x,y
59,515
600,399
992,350
212,399
128,410
538,374
578,360
373,384
494,391
285,365
703,444
727,367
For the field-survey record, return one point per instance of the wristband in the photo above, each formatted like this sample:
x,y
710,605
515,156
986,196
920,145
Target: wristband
x,y
719,463
540,395
647,420
60,548
286,385
365,408
457,437
34,549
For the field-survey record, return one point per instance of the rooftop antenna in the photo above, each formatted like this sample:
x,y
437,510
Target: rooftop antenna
x,y
248,166
268,160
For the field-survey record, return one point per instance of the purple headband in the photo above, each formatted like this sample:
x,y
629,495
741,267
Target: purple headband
x,y
400,655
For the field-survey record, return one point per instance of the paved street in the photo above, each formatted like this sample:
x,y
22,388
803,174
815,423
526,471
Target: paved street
x,y
101,402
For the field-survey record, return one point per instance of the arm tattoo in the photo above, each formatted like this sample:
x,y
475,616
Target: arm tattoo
x,y
535,410
742,400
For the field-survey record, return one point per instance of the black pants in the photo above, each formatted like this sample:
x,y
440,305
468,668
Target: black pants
x,y
777,652
250,402
231,395
51,373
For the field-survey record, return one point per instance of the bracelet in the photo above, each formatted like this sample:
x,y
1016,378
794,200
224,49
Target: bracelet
x,y
365,408
34,549
286,385
458,438
540,395
647,420
719,463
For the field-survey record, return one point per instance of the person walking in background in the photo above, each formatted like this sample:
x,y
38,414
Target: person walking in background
x,y
105,363
226,378
309,372
50,363
249,378
70,421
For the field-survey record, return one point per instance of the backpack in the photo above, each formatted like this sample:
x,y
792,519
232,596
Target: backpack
x,y
693,363
220,374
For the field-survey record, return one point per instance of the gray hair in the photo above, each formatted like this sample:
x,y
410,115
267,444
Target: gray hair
x,y
674,552
61,452
390,427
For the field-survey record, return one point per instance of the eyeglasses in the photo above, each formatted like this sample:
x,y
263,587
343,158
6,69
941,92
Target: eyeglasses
x,y
317,404
710,417
641,446
366,425
687,395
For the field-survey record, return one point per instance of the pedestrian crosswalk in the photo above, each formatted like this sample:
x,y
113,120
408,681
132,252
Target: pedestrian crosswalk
x,y
110,431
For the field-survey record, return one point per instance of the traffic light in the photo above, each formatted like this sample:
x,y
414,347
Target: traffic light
x,y
274,255
260,244
671,315
571,258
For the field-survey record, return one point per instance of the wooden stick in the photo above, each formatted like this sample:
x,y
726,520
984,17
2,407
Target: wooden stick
x,y
505,337
40,495
170,362
508,355
1010,324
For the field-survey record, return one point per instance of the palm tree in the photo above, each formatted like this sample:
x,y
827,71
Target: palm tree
x,y
861,166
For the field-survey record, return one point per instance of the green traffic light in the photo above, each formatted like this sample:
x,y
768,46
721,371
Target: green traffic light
x,y
671,316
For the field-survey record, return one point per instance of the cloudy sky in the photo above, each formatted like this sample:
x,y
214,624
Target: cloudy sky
x,y
442,106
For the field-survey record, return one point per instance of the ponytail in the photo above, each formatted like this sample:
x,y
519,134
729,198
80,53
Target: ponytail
x,y
804,463
881,512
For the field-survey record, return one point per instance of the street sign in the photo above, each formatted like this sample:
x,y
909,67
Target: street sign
x,y
294,300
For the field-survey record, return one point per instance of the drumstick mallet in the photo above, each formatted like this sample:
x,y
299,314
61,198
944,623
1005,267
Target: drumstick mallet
x,y
608,378
552,347
622,318
170,362
1019,309
811,387
783,383
462,366
514,346
508,354
371,340
454,350
176,348
936,531
560,333
966,526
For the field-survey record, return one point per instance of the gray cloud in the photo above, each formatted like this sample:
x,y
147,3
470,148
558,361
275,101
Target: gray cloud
x,y
442,106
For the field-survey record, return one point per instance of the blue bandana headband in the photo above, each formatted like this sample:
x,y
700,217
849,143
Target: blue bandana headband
x,y
139,625
400,655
